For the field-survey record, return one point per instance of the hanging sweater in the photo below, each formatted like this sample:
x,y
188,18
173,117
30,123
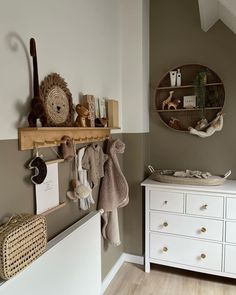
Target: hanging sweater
x,y
113,192
93,161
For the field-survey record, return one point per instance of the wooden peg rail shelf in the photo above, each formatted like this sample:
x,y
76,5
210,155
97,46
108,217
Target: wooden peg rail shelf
x,y
30,138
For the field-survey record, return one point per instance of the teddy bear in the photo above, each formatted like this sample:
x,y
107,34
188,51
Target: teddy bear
x,y
83,113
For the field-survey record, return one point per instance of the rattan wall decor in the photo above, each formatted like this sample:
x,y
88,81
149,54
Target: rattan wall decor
x,y
57,100
179,117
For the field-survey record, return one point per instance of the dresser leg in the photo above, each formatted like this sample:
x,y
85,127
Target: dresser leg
x,y
147,265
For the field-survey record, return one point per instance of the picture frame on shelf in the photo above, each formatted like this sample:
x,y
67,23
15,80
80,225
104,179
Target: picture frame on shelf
x,y
189,101
113,113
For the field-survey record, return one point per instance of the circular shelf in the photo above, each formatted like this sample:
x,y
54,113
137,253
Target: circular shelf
x,y
186,117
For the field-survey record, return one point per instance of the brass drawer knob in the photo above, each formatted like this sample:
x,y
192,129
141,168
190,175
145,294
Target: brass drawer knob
x,y
204,207
203,230
165,224
203,256
165,249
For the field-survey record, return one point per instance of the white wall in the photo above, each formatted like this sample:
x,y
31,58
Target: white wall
x,y
135,65
99,47
213,10
79,39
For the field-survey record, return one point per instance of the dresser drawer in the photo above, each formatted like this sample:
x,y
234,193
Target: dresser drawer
x,y
186,251
205,205
230,258
231,232
231,208
167,201
187,226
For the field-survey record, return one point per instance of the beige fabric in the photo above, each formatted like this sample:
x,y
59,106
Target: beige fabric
x,y
113,193
93,161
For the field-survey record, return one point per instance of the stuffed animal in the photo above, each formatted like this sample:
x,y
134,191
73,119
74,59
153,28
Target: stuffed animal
x,y
37,112
37,107
83,113
211,128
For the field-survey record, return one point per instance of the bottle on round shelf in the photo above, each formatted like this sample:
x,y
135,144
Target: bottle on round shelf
x,y
173,75
178,78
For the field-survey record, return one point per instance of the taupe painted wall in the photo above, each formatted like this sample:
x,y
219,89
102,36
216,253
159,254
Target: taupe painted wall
x,y
176,38
135,161
17,195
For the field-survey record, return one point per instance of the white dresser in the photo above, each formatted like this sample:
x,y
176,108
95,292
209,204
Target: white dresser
x,y
191,227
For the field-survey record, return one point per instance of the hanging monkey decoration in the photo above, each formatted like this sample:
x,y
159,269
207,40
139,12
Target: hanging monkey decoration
x,y
37,106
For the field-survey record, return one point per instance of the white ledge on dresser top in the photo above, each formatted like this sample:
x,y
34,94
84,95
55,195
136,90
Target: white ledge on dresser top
x,y
229,187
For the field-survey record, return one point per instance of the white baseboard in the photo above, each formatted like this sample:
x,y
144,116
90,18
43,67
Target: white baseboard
x,y
133,258
124,257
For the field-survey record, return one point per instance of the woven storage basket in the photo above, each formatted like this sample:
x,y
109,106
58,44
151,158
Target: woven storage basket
x,y
22,239
212,180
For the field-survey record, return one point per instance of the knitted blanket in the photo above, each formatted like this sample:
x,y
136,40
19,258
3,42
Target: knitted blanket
x,y
113,192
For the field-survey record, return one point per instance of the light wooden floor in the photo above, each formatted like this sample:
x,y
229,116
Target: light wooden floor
x,y
132,280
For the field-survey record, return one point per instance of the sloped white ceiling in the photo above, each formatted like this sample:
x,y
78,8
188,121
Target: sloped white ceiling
x,y
213,10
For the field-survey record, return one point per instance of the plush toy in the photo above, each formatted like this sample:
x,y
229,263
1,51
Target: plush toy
x,y
83,113
211,128
37,112
67,148
37,107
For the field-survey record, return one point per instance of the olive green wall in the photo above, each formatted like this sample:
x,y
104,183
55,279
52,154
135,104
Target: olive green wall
x,y
17,195
176,38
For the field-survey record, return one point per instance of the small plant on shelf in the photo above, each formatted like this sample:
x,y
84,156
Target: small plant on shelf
x,y
200,90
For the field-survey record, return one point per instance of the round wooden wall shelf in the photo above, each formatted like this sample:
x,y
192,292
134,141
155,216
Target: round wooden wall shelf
x,y
184,116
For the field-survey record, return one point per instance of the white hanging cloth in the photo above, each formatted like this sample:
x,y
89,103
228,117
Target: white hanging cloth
x,y
85,203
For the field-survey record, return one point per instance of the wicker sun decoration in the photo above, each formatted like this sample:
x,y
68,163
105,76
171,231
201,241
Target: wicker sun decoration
x,y
57,100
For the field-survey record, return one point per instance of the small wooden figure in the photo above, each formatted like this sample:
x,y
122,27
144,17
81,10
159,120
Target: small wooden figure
x,y
174,104
175,123
167,100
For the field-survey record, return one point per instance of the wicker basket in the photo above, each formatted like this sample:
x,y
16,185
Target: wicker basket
x,y
213,180
166,176
22,239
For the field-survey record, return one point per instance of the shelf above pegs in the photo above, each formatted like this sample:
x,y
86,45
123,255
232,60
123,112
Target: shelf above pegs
x,y
42,137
